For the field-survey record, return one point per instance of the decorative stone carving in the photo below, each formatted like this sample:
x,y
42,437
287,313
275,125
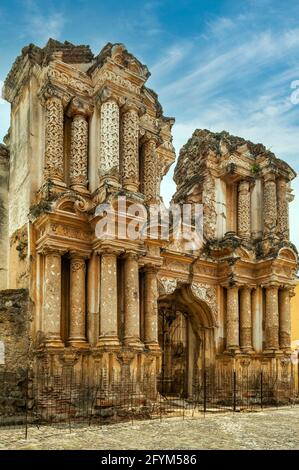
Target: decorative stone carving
x,y
270,204
209,211
282,209
66,79
167,285
109,145
130,147
79,149
69,232
150,169
109,76
54,140
244,225
207,294
79,111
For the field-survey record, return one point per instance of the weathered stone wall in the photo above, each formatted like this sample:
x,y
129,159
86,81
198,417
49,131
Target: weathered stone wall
x,y
4,174
14,353
15,329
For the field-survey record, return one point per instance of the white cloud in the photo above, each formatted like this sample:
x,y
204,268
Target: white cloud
x,y
220,25
171,58
40,25
43,27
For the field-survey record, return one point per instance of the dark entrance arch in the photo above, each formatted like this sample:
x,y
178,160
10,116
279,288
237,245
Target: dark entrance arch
x,y
187,344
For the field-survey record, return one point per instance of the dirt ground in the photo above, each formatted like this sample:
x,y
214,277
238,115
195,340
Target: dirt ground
x,y
269,429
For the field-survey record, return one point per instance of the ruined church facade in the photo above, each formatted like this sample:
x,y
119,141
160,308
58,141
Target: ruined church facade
x,y
85,130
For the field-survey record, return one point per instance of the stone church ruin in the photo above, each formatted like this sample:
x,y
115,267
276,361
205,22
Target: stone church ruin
x,y
84,130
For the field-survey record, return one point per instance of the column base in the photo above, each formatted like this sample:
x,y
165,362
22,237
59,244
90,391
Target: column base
x,y
108,342
78,343
272,351
247,350
54,343
131,186
152,346
287,350
134,343
232,350
81,189
59,184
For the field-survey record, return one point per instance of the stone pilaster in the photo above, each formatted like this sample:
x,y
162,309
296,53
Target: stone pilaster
x,y
232,319
271,319
151,309
130,147
52,298
282,208
245,319
150,168
77,300
270,204
109,138
244,210
79,112
108,301
132,314
284,318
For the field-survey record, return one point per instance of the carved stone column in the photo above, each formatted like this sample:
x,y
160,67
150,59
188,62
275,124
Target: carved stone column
x,y
270,204
245,319
271,318
282,208
108,301
54,161
132,315
151,309
150,168
244,210
130,146
285,318
77,300
232,319
52,298
79,111
109,141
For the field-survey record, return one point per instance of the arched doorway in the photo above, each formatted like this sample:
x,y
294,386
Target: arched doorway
x,y
186,339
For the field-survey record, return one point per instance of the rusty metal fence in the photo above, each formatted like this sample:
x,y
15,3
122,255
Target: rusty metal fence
x,y
69,400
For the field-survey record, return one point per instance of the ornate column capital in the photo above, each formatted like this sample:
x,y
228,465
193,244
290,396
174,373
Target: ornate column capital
x,y
269,177
244,186
131,105
107,94
147,137
50,92
52,250
79,107
131,254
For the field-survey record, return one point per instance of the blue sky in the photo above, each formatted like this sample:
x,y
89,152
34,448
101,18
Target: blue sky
x,y
215,64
